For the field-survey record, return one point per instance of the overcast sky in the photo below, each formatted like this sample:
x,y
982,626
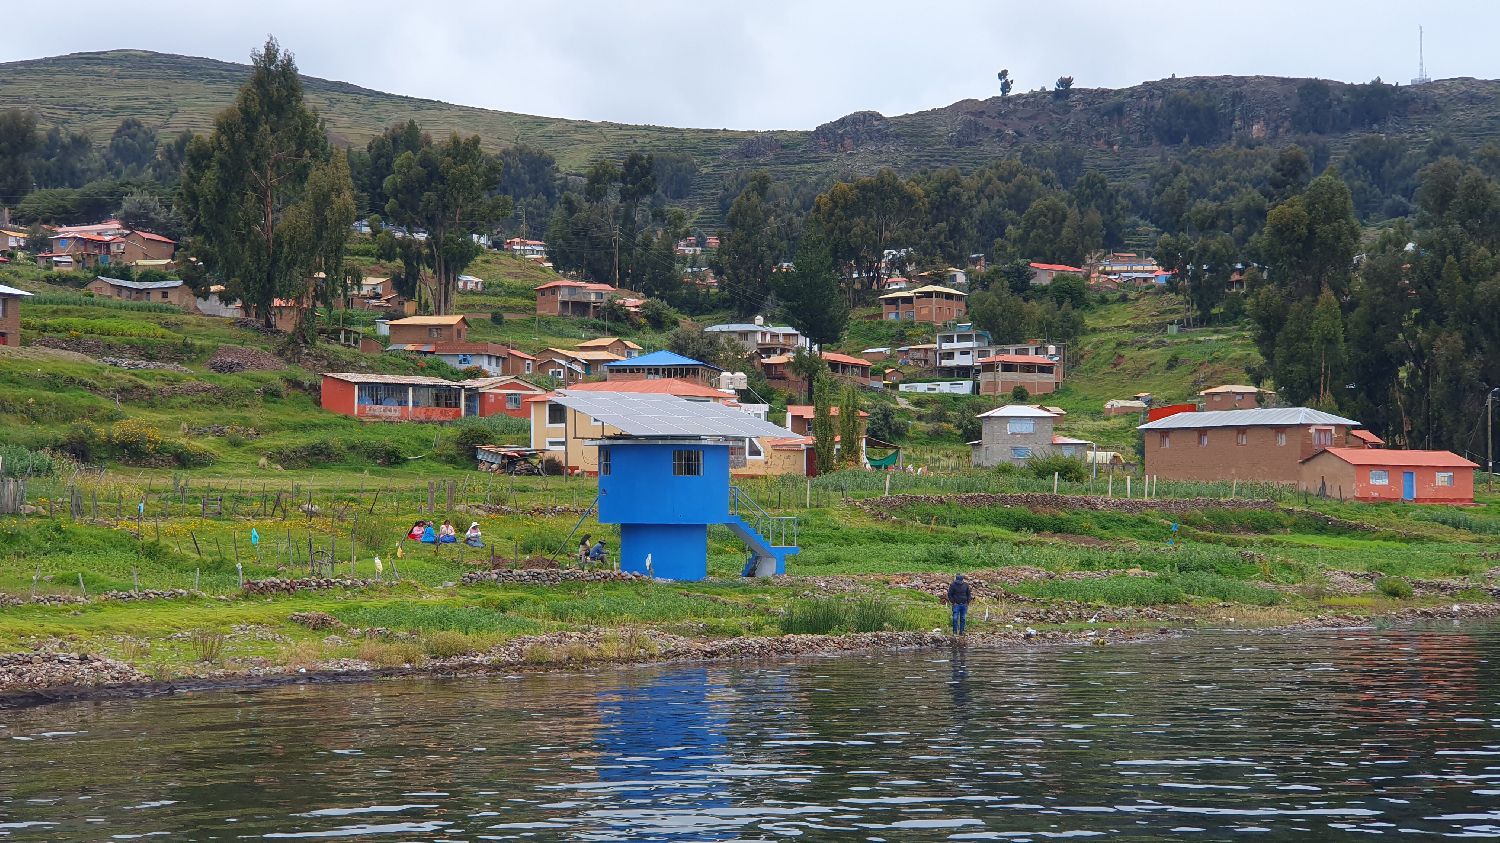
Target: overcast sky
x,y
779,63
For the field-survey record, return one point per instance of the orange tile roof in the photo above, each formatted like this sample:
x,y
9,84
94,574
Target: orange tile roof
x,y
846,359
1056,267
805,411
1367,437
1403,459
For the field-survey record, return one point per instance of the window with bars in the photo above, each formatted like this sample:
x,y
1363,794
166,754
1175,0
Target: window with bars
x,y
604,462
1203,439
1242,437
513,401
1281,437
1445,478
687,463
1164,440
1380,477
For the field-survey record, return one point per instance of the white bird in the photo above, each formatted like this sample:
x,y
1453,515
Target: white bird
x,y
649,573
379,567
1030,633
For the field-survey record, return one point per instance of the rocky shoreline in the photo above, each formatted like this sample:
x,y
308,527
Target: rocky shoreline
x,y
43,676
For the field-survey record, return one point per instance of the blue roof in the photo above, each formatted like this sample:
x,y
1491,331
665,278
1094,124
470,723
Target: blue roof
x,y
660,358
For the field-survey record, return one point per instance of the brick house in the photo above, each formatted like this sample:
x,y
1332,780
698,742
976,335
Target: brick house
x,y
622,349
416,330
1232,396
10,314
1012,434
572,298
1002,373
933,304
397,397
799,420
1264,445
171,291
1380,474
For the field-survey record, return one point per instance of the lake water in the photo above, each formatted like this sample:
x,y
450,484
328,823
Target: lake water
x,y
1306,736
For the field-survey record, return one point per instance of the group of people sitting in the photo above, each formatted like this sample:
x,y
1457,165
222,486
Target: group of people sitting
x,y
422,531
591,553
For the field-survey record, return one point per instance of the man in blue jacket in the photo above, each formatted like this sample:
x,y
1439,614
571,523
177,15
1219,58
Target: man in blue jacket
x,y
959,595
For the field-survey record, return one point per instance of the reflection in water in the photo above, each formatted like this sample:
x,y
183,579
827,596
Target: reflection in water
x,y
1293,736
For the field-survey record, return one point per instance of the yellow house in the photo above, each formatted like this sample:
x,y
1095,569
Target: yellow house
x,y
562,433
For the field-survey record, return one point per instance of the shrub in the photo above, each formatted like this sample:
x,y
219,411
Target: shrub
x,y
379,451
447,644
1020,394
310,454
389,655
208,645
816,616
1067,468
1394,587
16,461
497,318
874,614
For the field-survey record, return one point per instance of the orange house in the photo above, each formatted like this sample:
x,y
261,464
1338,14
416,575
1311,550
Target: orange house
x,y
1381,474
397,397
504,396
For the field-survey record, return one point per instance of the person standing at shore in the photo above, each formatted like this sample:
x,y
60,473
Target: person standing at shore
x,y
959,596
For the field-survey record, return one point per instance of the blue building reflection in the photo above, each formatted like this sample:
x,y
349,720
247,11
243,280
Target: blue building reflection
x,y
663,745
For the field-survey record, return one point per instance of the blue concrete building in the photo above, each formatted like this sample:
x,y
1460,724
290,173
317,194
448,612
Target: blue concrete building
x,y
664,478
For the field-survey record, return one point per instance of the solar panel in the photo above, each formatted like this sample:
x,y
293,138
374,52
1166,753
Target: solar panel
x,y
668,415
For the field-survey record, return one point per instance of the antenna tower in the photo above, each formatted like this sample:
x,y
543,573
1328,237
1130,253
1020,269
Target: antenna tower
x,y
1422,78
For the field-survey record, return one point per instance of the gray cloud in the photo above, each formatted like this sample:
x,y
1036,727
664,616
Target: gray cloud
x,y
784,63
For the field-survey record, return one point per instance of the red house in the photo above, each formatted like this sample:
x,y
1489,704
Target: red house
x,y
504,396
1382,474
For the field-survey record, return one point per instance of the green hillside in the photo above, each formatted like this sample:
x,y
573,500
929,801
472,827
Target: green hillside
x,y
1116,131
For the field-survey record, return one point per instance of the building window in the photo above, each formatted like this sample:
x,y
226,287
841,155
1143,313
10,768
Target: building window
x,y
513,401
445,398
163,295
753,450
1322,437
1242,437
434,333
556,444
1380,477
1020,426
1445,478
557,415
1164,440
528,367
603,462
1203,439
687,463
1020,453
1281,437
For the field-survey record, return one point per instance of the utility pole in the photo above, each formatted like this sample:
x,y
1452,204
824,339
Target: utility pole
x,y
1489,438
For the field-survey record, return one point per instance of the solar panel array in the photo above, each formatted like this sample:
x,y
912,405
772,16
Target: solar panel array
x,y
668,416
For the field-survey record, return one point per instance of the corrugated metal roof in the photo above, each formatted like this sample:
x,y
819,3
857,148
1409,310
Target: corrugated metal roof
x,y
142,285
1263,417
403,380
12,291
452,319
1017,411
930,289
667,416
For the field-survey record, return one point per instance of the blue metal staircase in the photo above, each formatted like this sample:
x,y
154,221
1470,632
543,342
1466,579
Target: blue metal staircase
x,y
770,538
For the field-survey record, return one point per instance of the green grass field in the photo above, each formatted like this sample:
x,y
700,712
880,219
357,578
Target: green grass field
x,y
160,441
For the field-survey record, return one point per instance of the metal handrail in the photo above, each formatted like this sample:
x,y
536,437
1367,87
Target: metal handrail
x,y
773,527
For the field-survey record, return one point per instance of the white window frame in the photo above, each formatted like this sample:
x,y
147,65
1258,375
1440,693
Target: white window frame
x,y
555,444
1020,452
1281,438
1444,478
528,367
1017,427
1380,477
551,405
512,400
753,450
1319,433
1203,439
1164,439
1242,437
